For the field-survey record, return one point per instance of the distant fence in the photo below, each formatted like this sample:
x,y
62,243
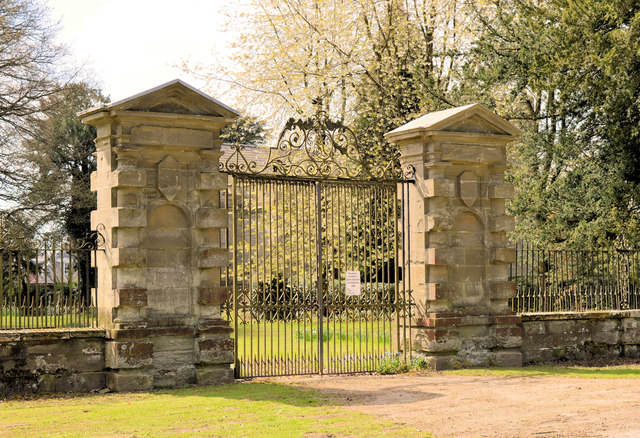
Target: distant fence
x,y
47,284
549,280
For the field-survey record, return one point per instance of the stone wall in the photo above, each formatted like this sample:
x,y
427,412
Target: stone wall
x,y
37,361
549,337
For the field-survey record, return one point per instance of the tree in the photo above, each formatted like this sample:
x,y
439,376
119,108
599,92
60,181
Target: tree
x,y
349,60
60,150
416,51
32,68
569,72
247,130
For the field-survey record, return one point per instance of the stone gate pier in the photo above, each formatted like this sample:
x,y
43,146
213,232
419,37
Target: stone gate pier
x,y
459,254
159,208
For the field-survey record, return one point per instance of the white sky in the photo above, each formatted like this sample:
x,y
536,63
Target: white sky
x,y
131,45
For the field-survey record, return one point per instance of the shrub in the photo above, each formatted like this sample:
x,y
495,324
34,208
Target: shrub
x,y
396,363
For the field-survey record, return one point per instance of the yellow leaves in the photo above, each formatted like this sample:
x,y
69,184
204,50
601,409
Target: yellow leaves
x,y
292,54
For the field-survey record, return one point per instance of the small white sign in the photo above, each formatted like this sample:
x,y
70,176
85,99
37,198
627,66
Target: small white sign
x,y
352,282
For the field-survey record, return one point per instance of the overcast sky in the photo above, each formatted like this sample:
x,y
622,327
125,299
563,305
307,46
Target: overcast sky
x,y
132,45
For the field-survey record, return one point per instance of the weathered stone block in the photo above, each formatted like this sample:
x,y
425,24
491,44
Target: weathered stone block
x,y
212,181
169,238
171,136
128,197
157,258
79,382
444,362
94,181
174,377
502,289
215,350
501,191
131,177
212,295
437,274
606,331
440,291
212,218
630,331
503,223
134,297
170,300
442,256
438,222
503,255
508,359
512,319
129,257
214,374
119,381
178,257
213,257
130,277
462,152
128,354
126,237
506,337
129,217
439,187
631,350
58,353
434,320
438,340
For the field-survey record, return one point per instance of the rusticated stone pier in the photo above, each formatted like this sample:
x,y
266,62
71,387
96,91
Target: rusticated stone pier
x,y
159,208
459,252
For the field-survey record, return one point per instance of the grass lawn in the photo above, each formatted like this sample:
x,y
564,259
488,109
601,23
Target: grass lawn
x,y
276,348
242,410
66,319
603,372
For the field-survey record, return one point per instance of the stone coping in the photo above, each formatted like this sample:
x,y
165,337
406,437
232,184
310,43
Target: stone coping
x,y
50,334
596,314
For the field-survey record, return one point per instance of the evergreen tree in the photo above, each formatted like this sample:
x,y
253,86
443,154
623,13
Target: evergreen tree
x,y
568,72
60,153
247,130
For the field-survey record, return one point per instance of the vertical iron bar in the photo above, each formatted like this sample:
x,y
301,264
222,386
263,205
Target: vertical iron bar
x,y
235,275
410,323
319,275
396,256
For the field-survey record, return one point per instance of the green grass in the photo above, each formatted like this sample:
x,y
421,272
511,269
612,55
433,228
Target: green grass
x,y
292,340
241,410
610,372
15,321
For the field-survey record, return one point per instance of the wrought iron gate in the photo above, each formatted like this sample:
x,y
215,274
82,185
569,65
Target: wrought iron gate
x,y
317,257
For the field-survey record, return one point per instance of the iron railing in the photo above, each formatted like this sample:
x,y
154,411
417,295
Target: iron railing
x,y
553,280
47,284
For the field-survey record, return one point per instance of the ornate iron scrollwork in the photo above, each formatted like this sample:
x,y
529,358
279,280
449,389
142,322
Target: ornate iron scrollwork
x,y
317,148
94,241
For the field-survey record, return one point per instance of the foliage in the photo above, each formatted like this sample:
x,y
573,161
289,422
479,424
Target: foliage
x,y
247,130
32,68
59,151
397,363
376,63
569,71
417,51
